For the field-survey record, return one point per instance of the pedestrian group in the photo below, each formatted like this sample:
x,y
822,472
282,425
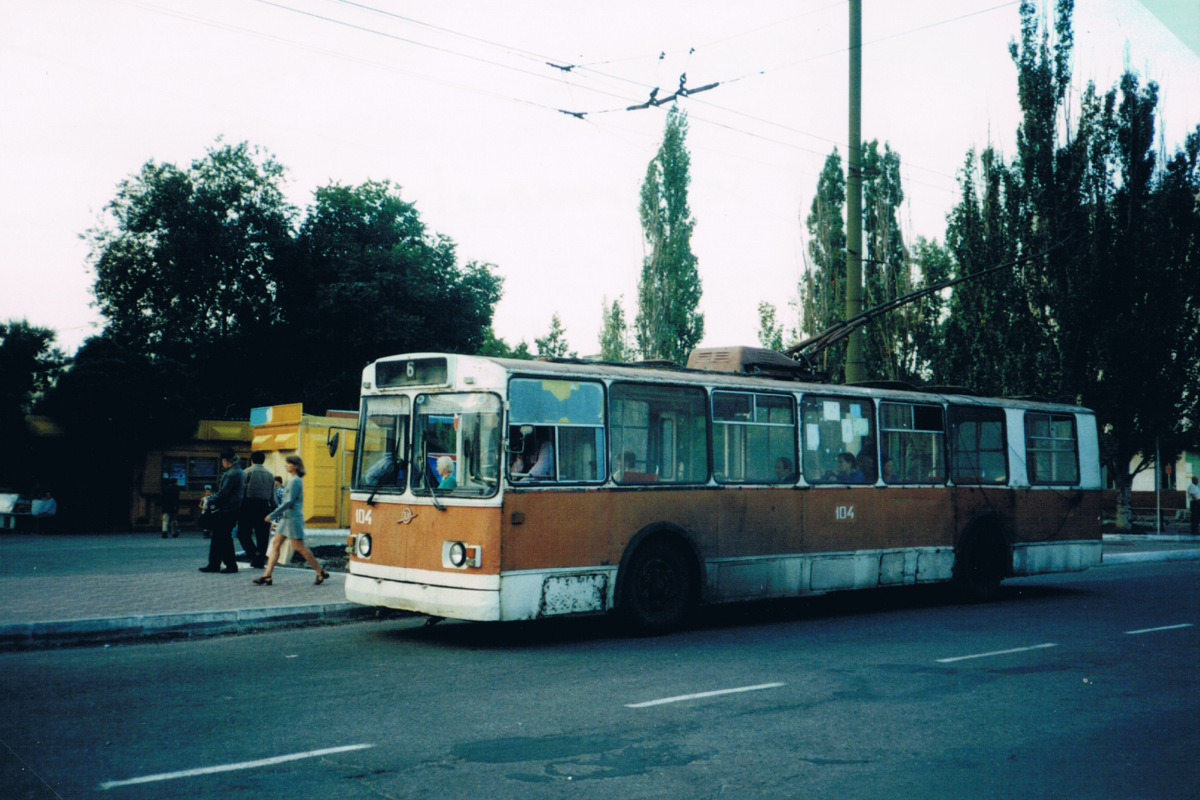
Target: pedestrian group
x,y
255,502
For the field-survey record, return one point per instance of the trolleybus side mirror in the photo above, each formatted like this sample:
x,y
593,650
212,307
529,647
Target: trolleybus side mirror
x,y
524,430
332,442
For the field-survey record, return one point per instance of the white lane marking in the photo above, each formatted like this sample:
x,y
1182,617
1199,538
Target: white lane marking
x,y
265,762
995,653
1156,630
682,697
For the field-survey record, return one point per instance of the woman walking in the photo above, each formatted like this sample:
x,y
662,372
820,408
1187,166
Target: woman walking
x,y
290,516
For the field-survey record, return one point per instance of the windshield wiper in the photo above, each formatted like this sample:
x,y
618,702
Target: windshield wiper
x,y
433,494
425,478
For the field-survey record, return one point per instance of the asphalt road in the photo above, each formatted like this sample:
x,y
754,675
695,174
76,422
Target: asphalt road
x,y
1078,686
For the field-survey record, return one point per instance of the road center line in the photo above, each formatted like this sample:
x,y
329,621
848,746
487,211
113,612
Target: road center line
x,y
682,697
995,653
265,762
1156,630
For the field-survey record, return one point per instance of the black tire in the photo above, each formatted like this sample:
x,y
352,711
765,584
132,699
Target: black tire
x,y
658,591
979,566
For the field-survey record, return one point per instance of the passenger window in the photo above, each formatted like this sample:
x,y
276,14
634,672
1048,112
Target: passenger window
x,y
659,434
754,438
978,453
839,440
556,431
1051,449
912,443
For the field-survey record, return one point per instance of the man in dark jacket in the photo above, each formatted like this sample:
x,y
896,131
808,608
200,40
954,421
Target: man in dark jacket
x,y
228,502
254,532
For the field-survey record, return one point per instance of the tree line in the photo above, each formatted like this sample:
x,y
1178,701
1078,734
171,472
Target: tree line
x,y
220,295
1108,317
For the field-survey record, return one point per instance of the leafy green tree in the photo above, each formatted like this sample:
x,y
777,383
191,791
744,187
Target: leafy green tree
x,y
29,363
615,343
890,340
1109,315
934,264
370,280
115,403
770,331
668,324
495,347
898,344
554,343
822,288
29,366
988,333
188,257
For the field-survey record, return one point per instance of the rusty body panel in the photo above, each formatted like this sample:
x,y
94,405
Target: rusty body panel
x,y
555,529
411,536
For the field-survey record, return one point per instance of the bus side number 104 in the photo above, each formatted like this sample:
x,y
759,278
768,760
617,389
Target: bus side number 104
x,y
844,512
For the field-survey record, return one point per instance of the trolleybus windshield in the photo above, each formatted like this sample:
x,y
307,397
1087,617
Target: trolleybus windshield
x,y
456,436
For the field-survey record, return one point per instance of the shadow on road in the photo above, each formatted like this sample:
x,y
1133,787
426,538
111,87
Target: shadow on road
x,y
598,628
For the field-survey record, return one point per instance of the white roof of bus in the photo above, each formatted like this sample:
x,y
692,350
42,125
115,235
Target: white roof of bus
x,y
734,380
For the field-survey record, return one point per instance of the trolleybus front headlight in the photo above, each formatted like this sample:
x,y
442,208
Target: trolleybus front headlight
x,y
363,545
460,555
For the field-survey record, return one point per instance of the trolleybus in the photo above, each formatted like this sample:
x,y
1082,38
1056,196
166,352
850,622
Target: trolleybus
x,y
494,489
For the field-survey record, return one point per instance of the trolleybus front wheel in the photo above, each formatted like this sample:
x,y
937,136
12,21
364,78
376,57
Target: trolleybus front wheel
x,y
659,589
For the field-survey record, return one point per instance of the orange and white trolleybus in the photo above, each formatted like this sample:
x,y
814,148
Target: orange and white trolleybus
x,y
493,489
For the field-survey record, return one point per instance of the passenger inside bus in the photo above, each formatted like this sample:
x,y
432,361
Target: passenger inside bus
x,y
784,471
847,470
534,459
445,469
629,473
866,465
888,469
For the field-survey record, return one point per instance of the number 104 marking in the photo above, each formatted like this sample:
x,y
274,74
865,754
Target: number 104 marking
x,y
845,512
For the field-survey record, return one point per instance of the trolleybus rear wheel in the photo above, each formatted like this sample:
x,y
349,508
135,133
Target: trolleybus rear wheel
x,y
979,565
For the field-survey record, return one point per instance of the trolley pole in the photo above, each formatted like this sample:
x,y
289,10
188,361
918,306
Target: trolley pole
x,y
855,363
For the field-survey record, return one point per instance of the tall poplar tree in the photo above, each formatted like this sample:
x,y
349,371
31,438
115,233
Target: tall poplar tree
x,y
668,324
823,285
891,340
615,344
554,344
1110,316
898,344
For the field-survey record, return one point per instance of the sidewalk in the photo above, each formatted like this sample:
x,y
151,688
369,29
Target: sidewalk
x,y
61,589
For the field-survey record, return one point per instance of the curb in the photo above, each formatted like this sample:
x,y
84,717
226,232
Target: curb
x,y
164,627
1141,558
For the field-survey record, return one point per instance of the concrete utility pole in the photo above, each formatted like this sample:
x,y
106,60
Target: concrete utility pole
x,y
856,367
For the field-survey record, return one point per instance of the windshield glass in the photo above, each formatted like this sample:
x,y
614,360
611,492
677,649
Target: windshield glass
x,y
383,444
456,445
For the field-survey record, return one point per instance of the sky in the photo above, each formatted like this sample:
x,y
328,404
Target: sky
x,y
473,109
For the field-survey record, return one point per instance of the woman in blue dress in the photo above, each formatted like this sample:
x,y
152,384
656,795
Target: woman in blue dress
x,y
290,516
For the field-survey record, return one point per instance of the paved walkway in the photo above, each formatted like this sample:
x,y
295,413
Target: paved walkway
x,y
61,589
93,588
